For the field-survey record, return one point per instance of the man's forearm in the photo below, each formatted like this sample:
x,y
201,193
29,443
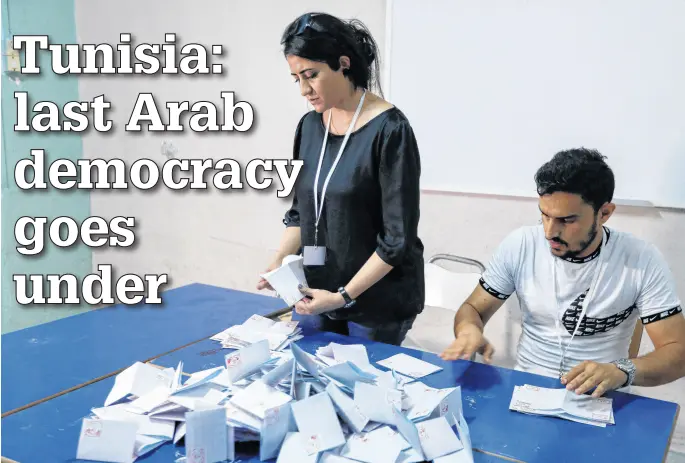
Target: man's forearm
x,y
467,314
661,366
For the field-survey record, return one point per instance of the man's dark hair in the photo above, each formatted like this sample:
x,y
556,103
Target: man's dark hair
x,y
578,171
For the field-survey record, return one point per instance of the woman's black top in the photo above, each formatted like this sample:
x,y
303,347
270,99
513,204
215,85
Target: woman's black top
x,y
371,205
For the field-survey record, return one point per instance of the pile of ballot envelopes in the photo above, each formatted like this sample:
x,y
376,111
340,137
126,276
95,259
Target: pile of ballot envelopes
x,y
562,403
279,334
332,406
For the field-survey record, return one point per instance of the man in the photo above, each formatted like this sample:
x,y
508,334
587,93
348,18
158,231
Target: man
x,y
581,288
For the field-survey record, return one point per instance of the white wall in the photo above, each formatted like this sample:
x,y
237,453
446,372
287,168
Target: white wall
x,y
226,238
540,75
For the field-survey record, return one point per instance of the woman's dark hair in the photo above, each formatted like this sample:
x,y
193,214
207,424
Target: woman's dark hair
x,y
577,171
324,38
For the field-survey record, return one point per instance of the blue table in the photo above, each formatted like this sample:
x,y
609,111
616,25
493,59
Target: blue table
x,y
642,431
49,431
48,359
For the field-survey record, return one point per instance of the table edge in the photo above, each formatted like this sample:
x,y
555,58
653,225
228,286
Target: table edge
x,y
670,436
274,314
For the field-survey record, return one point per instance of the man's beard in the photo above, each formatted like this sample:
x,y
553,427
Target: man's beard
x,y
592,234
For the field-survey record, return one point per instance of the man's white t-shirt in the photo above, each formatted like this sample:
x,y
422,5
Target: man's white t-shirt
x,y
633,281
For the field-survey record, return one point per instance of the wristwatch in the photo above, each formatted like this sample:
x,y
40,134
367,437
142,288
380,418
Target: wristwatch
x,y
349,302
628,367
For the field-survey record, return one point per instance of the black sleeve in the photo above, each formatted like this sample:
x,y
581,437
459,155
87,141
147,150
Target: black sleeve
x,y
658,298
292,215
399,171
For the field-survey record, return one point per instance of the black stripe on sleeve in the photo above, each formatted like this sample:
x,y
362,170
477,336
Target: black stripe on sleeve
x,y
661,315
492,291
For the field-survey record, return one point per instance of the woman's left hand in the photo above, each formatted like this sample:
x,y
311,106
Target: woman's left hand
x,y
318,301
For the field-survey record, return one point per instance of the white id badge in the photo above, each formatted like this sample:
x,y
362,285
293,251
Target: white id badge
x,y
314,255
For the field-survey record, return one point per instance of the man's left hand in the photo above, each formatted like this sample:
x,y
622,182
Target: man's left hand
x,y
318,301
587,375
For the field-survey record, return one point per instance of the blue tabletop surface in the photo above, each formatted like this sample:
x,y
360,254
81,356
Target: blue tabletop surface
x,y
49,431
46,359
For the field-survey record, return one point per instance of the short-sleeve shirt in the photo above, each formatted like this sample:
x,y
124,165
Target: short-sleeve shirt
x,y
633,281
371,206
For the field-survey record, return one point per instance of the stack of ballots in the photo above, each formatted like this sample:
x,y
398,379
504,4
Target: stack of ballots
x,y
564,404
330,407
279,334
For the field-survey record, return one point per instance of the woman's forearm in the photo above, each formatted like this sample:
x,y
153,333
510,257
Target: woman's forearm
x,y
371,272
290,243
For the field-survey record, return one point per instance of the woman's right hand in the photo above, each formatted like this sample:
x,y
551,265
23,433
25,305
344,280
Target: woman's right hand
x,y
262,283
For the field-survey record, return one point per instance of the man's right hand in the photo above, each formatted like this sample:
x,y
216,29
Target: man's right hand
x,y
469,340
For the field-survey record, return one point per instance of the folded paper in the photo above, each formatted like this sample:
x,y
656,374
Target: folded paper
x,y
287,279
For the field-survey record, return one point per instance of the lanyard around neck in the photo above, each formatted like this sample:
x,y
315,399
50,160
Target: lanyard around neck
x,y
586,301
319,209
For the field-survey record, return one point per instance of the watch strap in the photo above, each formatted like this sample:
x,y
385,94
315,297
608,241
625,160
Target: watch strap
x,y
628,367
348,300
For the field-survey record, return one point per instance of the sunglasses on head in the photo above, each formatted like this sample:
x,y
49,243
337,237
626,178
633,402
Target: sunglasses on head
x,y
307,22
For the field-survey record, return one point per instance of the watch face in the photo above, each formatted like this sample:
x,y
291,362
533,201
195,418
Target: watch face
x,y
627,367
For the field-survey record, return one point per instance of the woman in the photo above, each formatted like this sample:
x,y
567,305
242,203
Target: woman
x,y
357,231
